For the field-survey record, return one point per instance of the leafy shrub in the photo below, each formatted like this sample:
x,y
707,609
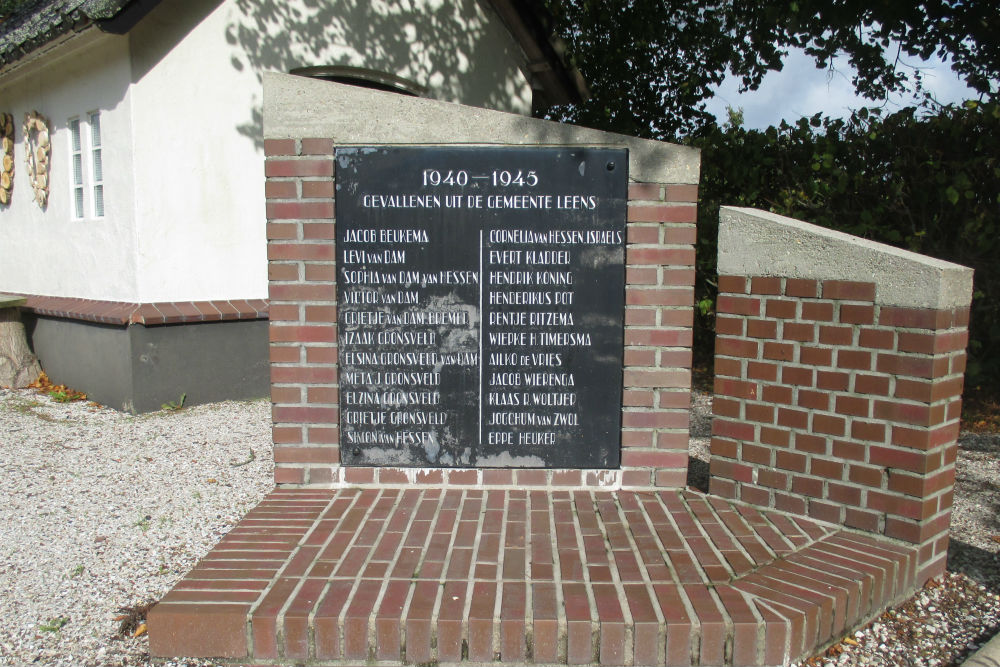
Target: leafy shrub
x,y
925,182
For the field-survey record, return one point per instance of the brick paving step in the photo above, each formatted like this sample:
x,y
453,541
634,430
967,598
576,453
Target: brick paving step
x,y
433,575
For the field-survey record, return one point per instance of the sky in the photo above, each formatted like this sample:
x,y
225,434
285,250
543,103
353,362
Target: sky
x,y
801,89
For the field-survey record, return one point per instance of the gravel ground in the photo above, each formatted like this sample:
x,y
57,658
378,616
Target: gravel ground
x,y
102,512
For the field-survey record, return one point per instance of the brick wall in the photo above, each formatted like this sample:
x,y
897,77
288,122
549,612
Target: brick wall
x,y
831,402
303,337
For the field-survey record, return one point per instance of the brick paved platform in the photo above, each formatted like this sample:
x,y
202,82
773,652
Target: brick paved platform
x,y
390,576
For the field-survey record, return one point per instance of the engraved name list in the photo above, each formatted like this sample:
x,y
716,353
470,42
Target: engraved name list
x,y
480,305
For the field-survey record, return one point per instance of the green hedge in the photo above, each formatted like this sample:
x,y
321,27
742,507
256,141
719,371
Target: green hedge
x,y
927,183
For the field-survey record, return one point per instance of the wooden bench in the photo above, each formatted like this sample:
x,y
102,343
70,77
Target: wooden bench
x,y
18,366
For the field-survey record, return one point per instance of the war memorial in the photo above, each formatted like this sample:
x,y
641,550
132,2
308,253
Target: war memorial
x,y
480,359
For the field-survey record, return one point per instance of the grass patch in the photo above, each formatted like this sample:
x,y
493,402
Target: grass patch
x,y
28,407
54,624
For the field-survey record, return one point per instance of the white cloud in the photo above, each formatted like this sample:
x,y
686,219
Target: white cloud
x,y
801,89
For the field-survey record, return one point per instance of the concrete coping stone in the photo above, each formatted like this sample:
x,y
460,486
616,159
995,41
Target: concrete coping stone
x,y
11,300
299,107
758,243
986,656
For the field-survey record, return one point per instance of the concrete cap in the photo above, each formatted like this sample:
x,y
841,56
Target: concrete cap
x,y
296,106
758,243
987,656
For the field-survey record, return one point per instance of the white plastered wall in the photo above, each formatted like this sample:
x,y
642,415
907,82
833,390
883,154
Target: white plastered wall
x,y
48,252
196,103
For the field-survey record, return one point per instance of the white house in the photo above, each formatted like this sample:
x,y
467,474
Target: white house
x,y
137,231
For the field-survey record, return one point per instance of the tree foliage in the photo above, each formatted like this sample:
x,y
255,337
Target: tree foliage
x,y
652,64
926,179
8,7
927,183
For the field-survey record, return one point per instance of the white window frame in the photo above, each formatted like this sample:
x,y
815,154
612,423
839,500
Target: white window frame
x,y
86,147
77,172
96,164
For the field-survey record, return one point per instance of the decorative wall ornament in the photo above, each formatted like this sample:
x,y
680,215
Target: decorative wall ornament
x,y
6,157
37,149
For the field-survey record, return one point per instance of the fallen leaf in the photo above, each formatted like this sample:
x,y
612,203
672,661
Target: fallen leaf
x,y
849,641
133,623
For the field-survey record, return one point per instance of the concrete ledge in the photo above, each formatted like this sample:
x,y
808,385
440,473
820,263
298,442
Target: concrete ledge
x,y
296,107
758,243
987,656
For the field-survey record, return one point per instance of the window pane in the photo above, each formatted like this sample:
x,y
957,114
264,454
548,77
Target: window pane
x,y
98,168
98,201
95,129
77,169
74,129
78,201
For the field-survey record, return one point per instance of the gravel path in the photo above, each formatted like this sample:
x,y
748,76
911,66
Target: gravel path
x,y
101,511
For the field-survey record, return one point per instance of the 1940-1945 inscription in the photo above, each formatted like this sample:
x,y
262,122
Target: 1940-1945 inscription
x,y
480,305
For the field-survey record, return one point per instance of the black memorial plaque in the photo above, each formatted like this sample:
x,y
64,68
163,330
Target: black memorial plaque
x,y
480,306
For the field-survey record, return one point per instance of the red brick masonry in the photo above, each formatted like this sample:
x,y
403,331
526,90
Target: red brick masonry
x,y
149,314
830,405
659,296
356,576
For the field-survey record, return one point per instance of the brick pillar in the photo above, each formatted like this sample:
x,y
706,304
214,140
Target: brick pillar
x,y
659,296
303,313
839,370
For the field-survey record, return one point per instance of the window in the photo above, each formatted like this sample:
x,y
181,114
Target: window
x,y
98,171
76,163
87,178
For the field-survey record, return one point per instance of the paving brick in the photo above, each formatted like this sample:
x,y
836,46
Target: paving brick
x,y
295,631
450,621
745,627
179,630
776,630
611,625
388,618
481,621
845,591
712,623
679,626
803,615
902,560
579,626
326,628
646,637
409,595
